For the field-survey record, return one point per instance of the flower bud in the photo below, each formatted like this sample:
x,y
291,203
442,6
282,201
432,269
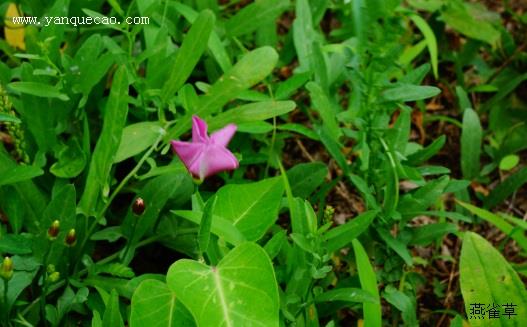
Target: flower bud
x,y
53,230
50,268
54,277
329,212
138,207
71,238
6,269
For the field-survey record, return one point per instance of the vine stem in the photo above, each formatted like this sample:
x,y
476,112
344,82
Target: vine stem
x,y
44,284
109,258
6,285
114,194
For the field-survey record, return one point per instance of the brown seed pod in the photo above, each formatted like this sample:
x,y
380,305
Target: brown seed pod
x,y
71,238
53,230
138,207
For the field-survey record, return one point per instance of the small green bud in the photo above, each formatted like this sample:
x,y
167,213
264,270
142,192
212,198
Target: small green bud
x,y
71,238
197,181
54,277
51,268
53,230
6,269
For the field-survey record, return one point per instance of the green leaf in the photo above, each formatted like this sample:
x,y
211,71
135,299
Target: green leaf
x,y
305,178
408,92
37,89
220,226
300,129
189,53
509,162
62,207
304,36
14,207
154,304
115,269
340,236
112,316
67,300
428,152
506,188
19,174
403,303
471,138
110,234
428,5
460,19
87,75
398,136
510,84
252,208
426,234
17,284
457,322
216,46
464,101
71,160
205,224
255,15
346,294
251,69
430,38
325,109
240,291
136,138
9,118
499,222
96,320
124,287
368,281
423,197
334,148
33,202
155,195
486,277
108,143
411,52
251,112
273,246
15,244
286,88
303,217
396,245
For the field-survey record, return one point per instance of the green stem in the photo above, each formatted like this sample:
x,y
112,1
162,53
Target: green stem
x,y
6,285
81,273
114,194
44,284
130,240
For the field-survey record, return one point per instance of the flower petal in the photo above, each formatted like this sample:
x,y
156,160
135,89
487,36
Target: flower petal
x,y
223,136
215,159
199,130
190,154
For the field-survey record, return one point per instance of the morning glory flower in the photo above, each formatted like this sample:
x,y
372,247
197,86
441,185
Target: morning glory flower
x,y
206,155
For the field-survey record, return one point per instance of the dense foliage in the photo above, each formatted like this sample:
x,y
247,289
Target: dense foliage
x,y
266,163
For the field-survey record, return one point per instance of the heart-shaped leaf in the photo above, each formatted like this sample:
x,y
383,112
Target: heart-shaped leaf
x,y
154,304
252,208
240,291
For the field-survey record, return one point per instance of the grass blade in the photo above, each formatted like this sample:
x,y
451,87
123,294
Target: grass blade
x,y
368,281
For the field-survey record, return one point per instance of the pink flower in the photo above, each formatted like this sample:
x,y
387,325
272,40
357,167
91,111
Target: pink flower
x,y
206,156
